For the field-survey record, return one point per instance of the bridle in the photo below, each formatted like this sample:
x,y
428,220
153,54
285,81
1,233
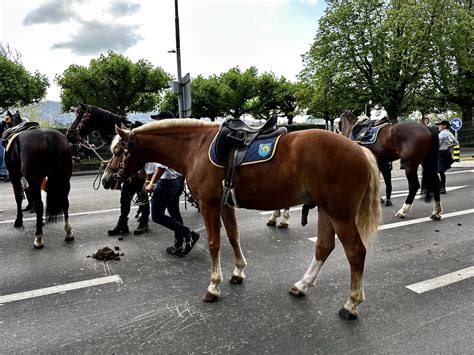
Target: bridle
x,y
129,145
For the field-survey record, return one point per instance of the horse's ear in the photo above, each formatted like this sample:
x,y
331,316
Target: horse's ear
x,y
122,133
123,126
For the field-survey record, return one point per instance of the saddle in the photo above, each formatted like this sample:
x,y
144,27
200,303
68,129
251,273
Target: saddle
x,y
363,127
232,142
10,133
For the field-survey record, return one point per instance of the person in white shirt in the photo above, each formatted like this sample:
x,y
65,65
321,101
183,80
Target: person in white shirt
x,y
167,185
447,141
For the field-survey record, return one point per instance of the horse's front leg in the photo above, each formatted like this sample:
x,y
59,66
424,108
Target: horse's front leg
x,y
230,224
211,215
18,191
413,186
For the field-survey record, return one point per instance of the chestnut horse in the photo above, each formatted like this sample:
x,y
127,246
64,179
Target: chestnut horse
x,y
414,143
309,166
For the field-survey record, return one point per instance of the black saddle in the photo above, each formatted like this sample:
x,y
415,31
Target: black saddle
x,y
232,142
360,129
24,126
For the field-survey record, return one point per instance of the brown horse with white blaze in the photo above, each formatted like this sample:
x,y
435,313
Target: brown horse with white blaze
x,y
312,166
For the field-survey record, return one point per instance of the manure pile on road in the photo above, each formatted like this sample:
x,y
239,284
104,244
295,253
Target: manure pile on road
x,y
106,254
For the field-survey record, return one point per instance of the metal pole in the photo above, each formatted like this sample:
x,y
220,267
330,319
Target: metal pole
x,y
178,60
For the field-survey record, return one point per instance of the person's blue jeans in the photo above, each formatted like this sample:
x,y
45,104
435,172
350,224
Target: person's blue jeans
x,y
166,197
3,167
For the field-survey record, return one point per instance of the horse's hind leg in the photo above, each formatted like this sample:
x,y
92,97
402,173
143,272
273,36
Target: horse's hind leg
x,y
355,253
35,191
413,186
230,224
68,234
211,215
325,243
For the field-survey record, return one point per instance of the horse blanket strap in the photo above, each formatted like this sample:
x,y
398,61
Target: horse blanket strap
x,y
10,134
235,144
365,134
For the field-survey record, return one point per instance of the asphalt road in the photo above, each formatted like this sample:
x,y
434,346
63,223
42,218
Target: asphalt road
x,y
151,301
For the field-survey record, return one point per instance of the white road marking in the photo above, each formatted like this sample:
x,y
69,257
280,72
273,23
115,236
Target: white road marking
x,y
403,193
415,221
448,173
443,280
59,289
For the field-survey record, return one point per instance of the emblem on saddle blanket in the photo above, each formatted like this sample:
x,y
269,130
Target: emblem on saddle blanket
x,y
260,151
370,137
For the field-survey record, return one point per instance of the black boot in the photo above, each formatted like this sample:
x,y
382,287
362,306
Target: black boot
x,y
120,228
142,228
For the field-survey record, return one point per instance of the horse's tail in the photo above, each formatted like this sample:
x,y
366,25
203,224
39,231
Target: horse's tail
x,y
58,185
370,213
429,180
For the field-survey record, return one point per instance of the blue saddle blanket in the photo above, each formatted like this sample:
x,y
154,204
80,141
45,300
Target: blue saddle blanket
x,y
260,151
370,137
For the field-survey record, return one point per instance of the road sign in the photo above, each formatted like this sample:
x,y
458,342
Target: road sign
x,y
456,124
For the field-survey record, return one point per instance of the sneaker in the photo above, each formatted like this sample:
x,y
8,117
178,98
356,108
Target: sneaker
x,y
142,228
176,251
190,241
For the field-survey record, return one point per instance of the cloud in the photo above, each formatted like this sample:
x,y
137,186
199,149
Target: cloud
x,y
123,8
95,37
52,12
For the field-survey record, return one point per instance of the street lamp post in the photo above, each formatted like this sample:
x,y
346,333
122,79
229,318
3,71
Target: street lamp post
x,y
178,60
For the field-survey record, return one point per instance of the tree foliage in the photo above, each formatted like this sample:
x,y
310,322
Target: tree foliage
x,y
237,88
372,50
18,87
207,98
115,83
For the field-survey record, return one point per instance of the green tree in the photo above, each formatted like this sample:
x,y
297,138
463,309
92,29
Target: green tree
x,y
169,101
264,104
288,102
451,63
370,50
207,98
18,87
115,83
237,88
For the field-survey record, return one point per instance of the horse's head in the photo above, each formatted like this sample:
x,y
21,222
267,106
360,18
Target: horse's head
x,y
346,121
82,125
124,162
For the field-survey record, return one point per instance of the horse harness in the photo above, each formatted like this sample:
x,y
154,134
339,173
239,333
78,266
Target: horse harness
x,y
11,133
232,143
363,129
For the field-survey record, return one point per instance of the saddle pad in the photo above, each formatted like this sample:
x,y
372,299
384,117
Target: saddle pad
x,y
371,135
260,151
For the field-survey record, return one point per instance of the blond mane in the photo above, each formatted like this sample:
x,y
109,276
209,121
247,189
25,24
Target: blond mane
x,y
176,122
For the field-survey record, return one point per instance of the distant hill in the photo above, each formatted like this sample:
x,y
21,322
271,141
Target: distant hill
x,y
50,111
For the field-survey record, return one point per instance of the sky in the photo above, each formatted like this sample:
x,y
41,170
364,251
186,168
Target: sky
x,y
216,35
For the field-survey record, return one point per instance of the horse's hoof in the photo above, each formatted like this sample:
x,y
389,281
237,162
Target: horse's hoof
x,y
283,225
294,291
388,203
399,215
210,297
271,223
38,245
69,238
435,217
236,280
345,314
18,223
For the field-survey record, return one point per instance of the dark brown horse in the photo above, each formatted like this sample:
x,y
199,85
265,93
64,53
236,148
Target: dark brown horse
x,y
312,166
414,143
36,154
90,119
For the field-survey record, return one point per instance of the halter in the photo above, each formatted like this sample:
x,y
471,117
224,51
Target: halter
x,y
131,141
